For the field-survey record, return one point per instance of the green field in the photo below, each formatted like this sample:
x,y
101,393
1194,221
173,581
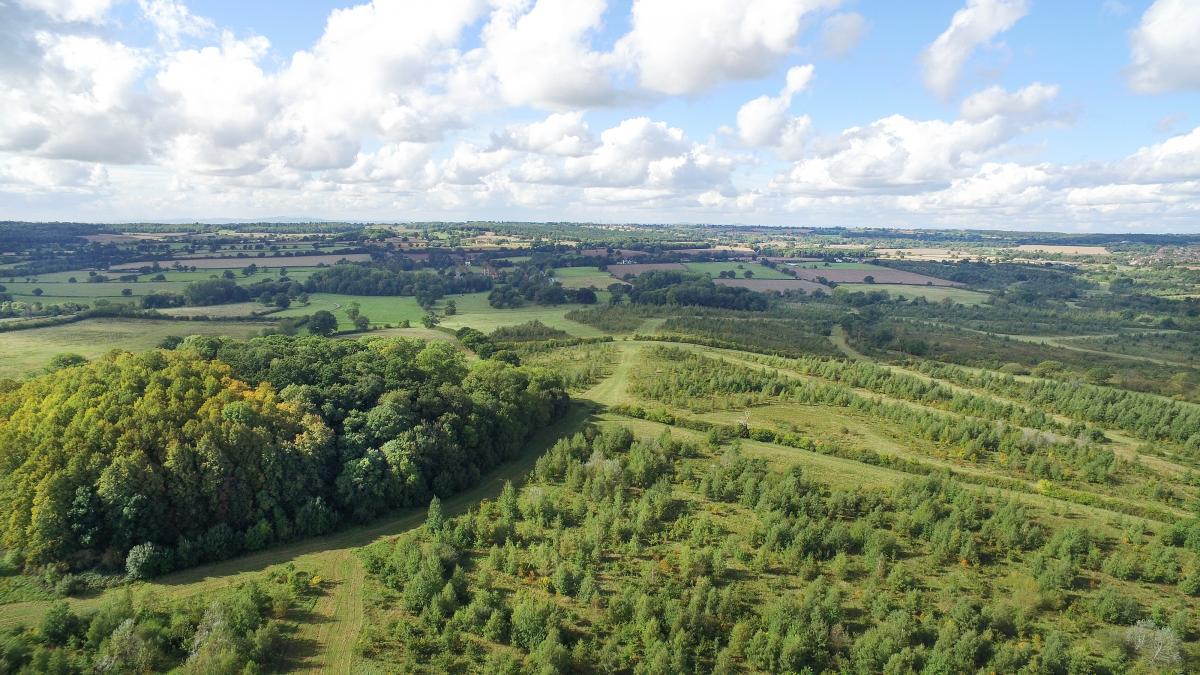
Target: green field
x,y
930,293
582,277
56,288
381,310
474,311
25,351
713,269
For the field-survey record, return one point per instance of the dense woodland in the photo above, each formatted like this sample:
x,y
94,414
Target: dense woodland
x,y
166,459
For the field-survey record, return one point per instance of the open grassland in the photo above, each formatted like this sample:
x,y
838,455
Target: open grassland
x,y
583,277
714,269
931,293
474,311
634,269
25,351
381,310
56,288
855,273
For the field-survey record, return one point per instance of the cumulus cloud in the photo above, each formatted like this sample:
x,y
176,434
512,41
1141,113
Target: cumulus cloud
x,y
901,155
540,55
764,122
504,108
841,33
70,10
687,52
1165,53
78,101
172,20
970,27
22,173
564,134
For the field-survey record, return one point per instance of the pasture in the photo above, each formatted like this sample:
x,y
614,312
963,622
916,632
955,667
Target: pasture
x,y
961,296
714,269
381,310
583,277
26,351
474,311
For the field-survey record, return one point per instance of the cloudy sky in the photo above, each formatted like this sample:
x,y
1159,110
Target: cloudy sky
x,y
1017,114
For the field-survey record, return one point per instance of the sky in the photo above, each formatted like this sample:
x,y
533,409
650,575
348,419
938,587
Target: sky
x,y
1072,115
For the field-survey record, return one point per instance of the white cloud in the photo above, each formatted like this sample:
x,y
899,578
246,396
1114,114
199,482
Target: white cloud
x,y
900,155
540,57
676,51
23,173
841,33
559,134
1030,101
172,19
80,102
971,26
1165,48
1175,159
764,122
70,10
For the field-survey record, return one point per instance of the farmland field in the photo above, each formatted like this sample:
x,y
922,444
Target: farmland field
x,y
853,273
620,271
381,310
583,277
784,284
738,268
930,293
273,262
27,350
474,311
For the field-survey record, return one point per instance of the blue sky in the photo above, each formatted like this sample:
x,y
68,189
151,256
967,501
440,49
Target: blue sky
x,y
972,113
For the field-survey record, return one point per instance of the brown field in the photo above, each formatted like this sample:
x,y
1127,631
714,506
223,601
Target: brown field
x,y
1066,250
881,276
238,263
774,285
619,271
